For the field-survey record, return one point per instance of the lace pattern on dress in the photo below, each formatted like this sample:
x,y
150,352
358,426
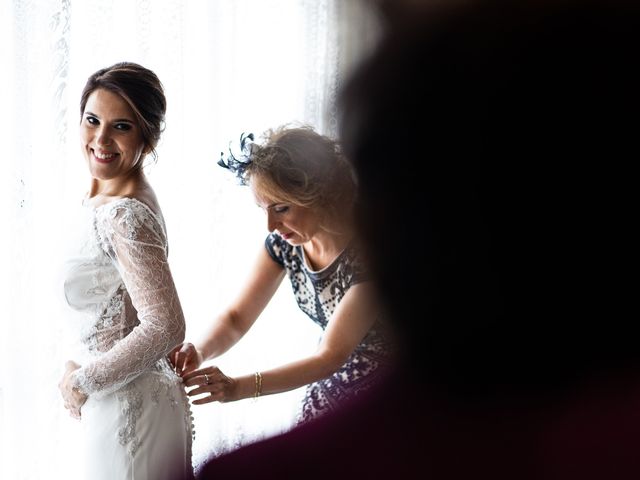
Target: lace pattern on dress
x,y
122,284
131,400
136,317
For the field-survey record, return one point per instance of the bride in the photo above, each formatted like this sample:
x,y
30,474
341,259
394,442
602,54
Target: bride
x,y
135,414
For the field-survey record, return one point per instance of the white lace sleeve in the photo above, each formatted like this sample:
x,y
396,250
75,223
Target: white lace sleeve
x,y
135,240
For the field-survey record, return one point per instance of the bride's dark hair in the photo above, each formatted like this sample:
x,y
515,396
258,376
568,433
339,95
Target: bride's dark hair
x,y
141,89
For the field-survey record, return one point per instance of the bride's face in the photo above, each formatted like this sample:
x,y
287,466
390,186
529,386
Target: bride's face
x,y
110,136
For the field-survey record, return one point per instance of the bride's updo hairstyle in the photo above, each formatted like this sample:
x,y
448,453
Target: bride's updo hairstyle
x,y
141,89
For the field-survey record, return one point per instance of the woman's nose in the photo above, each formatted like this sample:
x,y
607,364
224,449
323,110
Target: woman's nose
x,y
103,137
271,222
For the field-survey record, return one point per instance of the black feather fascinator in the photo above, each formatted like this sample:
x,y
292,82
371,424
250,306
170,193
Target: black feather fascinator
x,y
238,163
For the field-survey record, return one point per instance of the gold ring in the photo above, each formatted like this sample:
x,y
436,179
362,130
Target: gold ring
x,y
206,379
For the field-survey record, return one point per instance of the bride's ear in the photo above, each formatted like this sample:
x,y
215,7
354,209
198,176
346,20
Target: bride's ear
x,y
147,150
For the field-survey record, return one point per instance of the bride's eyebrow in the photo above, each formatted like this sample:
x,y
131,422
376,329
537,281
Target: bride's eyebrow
x,y
128,120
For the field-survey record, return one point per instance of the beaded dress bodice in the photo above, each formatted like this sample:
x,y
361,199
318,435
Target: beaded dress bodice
x,y
318,293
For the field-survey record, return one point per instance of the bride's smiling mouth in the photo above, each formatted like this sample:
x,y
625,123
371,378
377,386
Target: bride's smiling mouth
x,y
103,157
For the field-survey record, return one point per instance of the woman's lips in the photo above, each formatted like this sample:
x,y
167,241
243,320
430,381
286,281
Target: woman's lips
x,y
106,157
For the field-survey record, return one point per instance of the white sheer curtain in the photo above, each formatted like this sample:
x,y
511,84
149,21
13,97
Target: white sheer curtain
x,y
228,66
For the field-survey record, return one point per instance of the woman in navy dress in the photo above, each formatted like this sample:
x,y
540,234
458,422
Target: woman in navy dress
x,y
307,190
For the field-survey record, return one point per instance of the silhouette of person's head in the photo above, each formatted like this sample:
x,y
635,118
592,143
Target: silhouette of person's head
x,y
493,143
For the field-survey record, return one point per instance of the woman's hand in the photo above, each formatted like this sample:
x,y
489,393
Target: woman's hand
x,y
212,381
73,398
185,358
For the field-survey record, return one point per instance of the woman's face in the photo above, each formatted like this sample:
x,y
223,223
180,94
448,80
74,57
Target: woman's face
x,y
297,225
110,136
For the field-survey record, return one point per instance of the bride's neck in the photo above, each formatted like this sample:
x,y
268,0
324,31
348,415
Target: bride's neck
x,y
118,187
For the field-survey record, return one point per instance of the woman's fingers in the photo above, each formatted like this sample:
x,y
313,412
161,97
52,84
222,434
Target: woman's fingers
x,y
209,372
178,361
183,357
210,382
202,389
213,393
203,378
214,397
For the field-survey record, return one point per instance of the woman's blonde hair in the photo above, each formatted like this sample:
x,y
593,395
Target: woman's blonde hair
x,y
301,167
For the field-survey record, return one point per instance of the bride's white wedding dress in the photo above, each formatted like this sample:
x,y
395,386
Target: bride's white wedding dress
x,y
136,422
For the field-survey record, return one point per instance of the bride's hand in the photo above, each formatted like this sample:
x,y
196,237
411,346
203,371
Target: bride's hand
x,y
185,358
212,381
73,398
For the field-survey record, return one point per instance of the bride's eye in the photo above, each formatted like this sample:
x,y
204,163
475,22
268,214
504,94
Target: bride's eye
x,y
91,120
123,126
280,208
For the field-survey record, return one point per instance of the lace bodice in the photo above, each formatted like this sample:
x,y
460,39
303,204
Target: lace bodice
x,y
122,283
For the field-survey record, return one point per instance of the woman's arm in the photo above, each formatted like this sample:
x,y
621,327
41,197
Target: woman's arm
x,y
231,325
138,246
351,321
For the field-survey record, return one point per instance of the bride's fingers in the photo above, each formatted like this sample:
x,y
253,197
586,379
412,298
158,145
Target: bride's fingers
x,y
71,365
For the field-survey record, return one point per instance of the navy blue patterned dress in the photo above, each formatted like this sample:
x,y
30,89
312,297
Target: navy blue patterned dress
x,y
318,293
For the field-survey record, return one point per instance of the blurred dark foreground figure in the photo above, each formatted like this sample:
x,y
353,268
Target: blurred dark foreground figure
x,y
494,144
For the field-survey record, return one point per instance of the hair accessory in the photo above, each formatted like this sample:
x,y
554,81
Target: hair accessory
x,y
238,164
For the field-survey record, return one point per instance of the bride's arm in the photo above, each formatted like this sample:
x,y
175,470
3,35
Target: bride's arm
x,y
137,244
73,398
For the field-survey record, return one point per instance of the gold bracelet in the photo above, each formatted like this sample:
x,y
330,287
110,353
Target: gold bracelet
x,y
258,376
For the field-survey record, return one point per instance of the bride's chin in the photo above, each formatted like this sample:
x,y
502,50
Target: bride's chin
x,y
100,174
